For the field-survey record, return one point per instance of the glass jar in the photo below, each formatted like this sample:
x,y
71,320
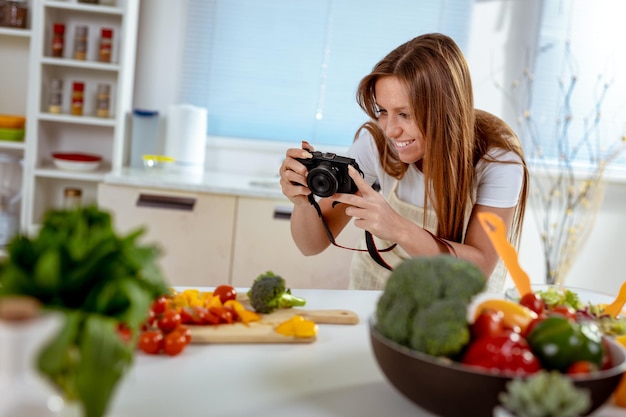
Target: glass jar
x,y
80,42
15,14
55,98
78,92
103,100
72,198
58,39
106,44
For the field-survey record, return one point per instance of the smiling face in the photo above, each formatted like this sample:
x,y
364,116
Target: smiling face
x,y
395,117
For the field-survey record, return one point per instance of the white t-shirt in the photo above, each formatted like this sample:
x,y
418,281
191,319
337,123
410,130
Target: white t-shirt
x,y
498,184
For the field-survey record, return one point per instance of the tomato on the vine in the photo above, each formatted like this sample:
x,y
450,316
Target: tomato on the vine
x,y
225,293
159,305
150,341
169,321
174,342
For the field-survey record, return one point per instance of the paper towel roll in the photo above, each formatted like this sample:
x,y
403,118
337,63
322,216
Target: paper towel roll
x,y
185,138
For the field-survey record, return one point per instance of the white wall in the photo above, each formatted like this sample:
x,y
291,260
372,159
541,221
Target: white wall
x,y
501,43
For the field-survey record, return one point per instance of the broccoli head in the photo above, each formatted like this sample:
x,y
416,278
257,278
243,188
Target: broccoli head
x,y
268,292
424,304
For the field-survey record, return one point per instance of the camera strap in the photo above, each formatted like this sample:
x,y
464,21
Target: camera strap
x,y
369,239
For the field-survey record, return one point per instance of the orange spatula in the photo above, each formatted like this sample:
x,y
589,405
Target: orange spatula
x,y
496,231
616,306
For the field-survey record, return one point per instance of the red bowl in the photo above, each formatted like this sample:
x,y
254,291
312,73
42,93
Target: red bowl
x,y
76,157
81,162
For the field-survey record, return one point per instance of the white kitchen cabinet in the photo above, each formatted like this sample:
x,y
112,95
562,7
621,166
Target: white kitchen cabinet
x,y
194,230
212,238
64,132
263,242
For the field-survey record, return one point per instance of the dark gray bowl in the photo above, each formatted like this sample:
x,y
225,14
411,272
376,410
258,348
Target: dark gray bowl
x,y
451,389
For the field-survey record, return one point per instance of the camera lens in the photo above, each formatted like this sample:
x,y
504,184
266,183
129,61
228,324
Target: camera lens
x,y
322,181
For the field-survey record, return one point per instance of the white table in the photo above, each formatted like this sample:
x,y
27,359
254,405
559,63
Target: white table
x,y
337,375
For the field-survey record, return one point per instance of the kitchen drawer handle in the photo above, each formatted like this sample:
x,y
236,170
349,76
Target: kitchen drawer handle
x,y
282,213
166,202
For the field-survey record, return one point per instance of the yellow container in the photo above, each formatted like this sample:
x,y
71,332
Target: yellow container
x,y
9,121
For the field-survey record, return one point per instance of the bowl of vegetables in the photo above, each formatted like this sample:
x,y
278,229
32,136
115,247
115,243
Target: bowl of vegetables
x,y
452,356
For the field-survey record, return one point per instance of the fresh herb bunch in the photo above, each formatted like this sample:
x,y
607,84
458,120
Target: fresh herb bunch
x,y
80,266
545,394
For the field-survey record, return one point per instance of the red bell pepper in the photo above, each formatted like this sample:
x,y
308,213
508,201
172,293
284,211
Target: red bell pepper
x,y
504,352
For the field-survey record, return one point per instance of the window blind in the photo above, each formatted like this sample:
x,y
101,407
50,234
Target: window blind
x,y
285,70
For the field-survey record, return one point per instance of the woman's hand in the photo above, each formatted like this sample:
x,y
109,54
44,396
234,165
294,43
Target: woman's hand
x,y
293,175
371,211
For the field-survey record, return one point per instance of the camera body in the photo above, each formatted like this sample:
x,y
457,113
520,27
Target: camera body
x,y
328,174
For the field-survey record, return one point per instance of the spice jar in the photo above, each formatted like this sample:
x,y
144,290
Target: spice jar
x,y
78,90
58,39
72,198
106,42
80,43
102,100
15,14
55,99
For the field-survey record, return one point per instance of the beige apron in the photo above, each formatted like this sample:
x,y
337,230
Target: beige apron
x,y
366,274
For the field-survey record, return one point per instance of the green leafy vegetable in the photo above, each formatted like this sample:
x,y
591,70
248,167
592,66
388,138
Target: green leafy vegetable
x,y
80,266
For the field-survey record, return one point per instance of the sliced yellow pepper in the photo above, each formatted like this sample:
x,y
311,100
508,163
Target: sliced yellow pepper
x,y
297,326
247,316
619,394
214,301
514,314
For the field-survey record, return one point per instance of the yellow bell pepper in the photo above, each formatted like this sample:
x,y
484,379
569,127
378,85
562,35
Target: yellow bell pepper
x,y
515,315
619,394
246,316
297,326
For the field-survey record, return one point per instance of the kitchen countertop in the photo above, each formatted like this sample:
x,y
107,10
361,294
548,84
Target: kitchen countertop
x,y
337,375
205,182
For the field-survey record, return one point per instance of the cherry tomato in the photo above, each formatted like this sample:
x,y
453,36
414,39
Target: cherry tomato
x,y
581,367
533,302
124,332
169,321
488,323
225,293
224,314
174,343
187,316
185,331
159,305
151,341
565,311
209,318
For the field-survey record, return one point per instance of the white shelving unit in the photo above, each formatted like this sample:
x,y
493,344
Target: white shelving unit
x,y
14,56
62,132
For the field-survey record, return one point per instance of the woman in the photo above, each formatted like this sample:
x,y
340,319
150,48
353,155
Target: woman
x,y
438,162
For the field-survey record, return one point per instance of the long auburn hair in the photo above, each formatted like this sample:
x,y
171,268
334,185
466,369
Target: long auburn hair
x,y
437,78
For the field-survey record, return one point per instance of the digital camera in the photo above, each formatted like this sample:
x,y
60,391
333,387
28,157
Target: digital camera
x,y
328,174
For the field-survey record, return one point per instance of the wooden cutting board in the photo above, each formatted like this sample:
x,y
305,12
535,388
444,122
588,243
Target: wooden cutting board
x,y
263,331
